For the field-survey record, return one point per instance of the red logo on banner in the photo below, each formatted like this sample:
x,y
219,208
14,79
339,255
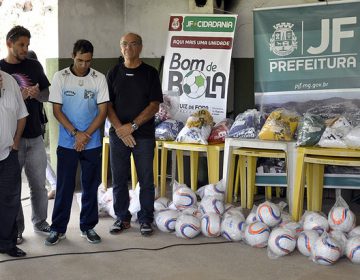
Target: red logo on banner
x,y
175,23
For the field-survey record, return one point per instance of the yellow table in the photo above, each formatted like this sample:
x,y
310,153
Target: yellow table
x,y
310,162
213,162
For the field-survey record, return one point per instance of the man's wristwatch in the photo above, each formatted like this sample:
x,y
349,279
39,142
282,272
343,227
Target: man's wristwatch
x,y
134,125
74,132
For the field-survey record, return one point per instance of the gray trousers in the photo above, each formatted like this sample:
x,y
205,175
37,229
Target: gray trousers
x,y
32,157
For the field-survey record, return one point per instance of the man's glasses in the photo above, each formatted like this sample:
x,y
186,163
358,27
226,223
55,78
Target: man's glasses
x,y
129,44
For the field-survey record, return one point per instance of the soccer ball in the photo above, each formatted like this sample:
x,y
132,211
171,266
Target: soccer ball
x,y
326,250
294,226
269,213
355,231
161,203
194,84
281,242
193,210
251,218
187,226
211,225
306,240
341,218
316,222
257,234
234,211
166,219
184,197
211,204
341,237
232,226
353,249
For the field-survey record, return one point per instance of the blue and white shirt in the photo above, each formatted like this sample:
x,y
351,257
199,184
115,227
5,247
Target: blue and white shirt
x,y
79,97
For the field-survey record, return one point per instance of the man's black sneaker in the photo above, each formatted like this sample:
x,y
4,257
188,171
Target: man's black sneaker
x,y
43,228
146,229
119,226
91,236
54,238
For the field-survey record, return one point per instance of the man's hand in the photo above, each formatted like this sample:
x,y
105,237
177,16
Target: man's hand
x,y
81,140
129,141
33,91
124,130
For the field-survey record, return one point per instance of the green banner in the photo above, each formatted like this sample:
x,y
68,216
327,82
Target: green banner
x,y
308,48
209,24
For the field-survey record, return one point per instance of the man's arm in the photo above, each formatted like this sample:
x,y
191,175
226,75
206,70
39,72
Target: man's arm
x,y
19,131
114,120
99,119
142,118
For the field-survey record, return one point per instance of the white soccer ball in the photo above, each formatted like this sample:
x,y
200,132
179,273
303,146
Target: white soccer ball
x,y
316,222
251,218
352,250
282,241
326,250
184,197
166,219
211,225
212,204
187,226
161,203
294,226
269,213
340,237
306,241
193,210
341,218
257,234
232,226
354,232
217,190
229,206
234,211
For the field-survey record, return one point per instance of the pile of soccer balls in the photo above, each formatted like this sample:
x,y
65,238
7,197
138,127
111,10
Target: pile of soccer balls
x,y
323,240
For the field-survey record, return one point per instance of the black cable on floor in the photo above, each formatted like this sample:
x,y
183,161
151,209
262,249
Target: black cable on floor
x,y
114,251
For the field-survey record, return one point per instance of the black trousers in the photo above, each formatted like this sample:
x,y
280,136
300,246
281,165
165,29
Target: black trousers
x,y
10,192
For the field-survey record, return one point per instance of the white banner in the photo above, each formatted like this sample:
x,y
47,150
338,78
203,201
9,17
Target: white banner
x,y
197,62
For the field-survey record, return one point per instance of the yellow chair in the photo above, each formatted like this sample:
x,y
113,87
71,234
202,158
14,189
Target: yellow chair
x,y
105,161
105,164
213,162
246,173
310,166
231,144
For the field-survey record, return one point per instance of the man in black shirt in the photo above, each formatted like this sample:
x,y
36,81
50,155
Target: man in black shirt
x,y
33,83
135,95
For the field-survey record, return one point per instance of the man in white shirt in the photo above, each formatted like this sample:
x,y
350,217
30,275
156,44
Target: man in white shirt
x,y
12,122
